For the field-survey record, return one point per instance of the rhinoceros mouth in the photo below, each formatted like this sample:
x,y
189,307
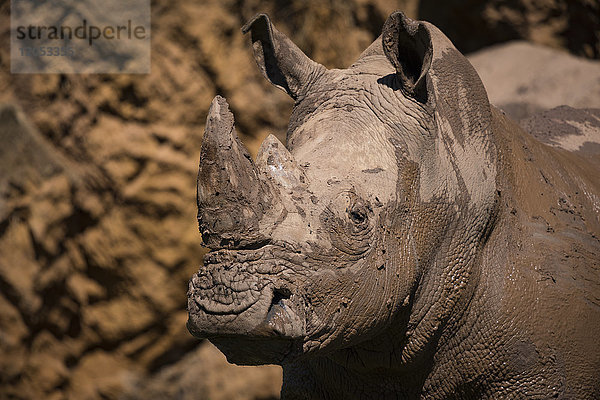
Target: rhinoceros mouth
x,y
241,293
238,301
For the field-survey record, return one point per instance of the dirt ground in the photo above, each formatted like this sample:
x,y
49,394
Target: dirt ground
x,y
98,232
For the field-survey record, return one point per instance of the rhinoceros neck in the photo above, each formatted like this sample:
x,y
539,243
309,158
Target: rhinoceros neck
x,y
401,361
439,365
375,370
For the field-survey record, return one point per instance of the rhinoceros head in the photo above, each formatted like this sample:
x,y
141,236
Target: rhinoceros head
x,y
368,220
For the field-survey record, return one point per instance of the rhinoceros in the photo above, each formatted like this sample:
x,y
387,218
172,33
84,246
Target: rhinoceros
x,y
408,241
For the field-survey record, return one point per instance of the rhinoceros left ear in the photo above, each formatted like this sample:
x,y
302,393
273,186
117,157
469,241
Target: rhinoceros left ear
x,y
431,70
407,45
279,59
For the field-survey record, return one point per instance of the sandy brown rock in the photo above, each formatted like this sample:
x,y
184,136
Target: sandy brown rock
x,y
205,374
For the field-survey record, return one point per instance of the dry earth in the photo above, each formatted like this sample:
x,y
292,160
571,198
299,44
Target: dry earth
x,y
97,185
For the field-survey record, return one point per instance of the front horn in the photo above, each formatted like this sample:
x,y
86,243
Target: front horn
x,y
231,197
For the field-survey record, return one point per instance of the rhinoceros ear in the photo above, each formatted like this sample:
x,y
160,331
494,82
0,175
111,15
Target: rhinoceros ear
x,y
433,71
407,45
279,59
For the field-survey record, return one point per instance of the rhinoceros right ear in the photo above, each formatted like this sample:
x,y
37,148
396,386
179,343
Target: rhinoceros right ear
x,y
279,59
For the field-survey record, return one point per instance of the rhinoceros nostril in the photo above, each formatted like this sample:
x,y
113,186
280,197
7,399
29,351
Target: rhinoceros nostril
x,y
281,318
280,294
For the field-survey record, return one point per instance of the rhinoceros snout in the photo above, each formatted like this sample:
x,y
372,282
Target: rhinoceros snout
x,y
241,292
222,292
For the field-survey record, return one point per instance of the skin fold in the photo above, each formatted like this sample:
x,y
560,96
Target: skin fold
x,y
408,241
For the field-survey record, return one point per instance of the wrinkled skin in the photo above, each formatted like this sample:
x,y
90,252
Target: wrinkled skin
x,y
408,242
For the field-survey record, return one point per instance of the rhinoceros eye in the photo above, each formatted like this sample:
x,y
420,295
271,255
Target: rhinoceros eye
x,y
346,219
358,210
357,214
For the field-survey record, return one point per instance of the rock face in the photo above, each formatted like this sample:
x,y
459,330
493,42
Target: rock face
x,y
97,177
473,24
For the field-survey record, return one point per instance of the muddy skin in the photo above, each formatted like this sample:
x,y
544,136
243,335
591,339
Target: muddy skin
x,y
409,241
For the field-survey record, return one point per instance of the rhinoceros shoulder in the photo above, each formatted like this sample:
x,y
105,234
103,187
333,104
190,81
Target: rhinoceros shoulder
x,y
552,161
